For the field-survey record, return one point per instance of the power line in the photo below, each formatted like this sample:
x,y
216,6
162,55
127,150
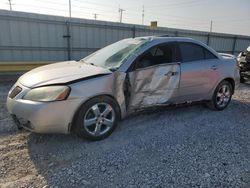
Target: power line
x,y
87,8
176,4
74,6
105,12
153,13
170,17
157,13
51,2
97,4
109,15
40,7
65,9
234,20
89,14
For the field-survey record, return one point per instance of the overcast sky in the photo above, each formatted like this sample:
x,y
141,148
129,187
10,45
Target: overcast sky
x,y
228,16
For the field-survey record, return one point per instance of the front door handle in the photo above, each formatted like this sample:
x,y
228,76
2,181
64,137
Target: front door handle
x,y
214,67
171,74
174,73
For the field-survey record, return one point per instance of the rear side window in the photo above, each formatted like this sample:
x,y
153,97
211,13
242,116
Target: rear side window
x,y
191,52
209,55
194,52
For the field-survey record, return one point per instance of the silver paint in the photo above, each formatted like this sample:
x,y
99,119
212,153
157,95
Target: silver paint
x,y
156,85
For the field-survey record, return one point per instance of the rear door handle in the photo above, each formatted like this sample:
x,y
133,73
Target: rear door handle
x,y
214,67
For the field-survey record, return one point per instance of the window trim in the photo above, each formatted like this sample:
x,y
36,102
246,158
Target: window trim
x,y
203,49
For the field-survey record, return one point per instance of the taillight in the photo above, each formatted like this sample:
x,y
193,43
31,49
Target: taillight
x,y
238,63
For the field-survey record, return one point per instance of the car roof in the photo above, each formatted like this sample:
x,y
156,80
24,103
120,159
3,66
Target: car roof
x,y
164,38
167,38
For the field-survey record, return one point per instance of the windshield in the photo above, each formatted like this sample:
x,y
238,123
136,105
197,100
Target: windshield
x,y
114,55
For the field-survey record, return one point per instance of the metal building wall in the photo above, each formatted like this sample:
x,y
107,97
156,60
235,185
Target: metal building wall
x,y
28,37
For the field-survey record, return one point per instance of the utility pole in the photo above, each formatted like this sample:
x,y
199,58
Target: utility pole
x,y
68,36
95,16
69,8
10,5
143,14
121,12
211,26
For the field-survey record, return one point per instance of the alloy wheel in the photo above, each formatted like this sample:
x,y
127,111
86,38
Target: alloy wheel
x,y
99,119
223,96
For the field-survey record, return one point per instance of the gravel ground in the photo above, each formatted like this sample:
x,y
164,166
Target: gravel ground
x,y
171,147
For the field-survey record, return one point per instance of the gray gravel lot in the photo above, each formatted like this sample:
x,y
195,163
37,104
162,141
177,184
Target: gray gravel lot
x,y
170,147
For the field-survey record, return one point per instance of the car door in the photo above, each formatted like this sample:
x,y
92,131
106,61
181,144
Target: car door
x,y
154,78
198,72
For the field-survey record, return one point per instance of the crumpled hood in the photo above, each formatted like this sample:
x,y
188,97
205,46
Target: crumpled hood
x,y
58,73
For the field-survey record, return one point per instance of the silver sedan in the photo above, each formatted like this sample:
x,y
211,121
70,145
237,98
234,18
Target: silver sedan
x,y
89,97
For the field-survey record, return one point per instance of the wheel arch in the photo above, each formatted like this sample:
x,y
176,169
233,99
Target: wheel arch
x,y
71,125
231,81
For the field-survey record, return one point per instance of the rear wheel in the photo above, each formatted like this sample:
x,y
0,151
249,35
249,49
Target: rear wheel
x,y
97,118
222,96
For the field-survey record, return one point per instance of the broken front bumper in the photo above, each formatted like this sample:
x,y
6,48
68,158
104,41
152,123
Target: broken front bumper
x,y
42,117
20,123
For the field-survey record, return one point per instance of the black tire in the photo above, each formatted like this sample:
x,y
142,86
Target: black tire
x,y
82,131
213,103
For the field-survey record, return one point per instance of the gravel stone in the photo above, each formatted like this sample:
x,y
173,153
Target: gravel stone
x,y
189,146
103,169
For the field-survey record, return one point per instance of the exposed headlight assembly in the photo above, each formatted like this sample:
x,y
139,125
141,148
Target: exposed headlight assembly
x,y
48,93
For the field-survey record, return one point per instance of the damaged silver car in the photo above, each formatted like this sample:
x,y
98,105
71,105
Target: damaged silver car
x,y
89,97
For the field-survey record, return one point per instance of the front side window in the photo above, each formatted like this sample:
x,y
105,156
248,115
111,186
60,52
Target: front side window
x,y
157,55
115,54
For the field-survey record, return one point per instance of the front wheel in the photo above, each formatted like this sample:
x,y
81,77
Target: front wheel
x,y
222,96
97,118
